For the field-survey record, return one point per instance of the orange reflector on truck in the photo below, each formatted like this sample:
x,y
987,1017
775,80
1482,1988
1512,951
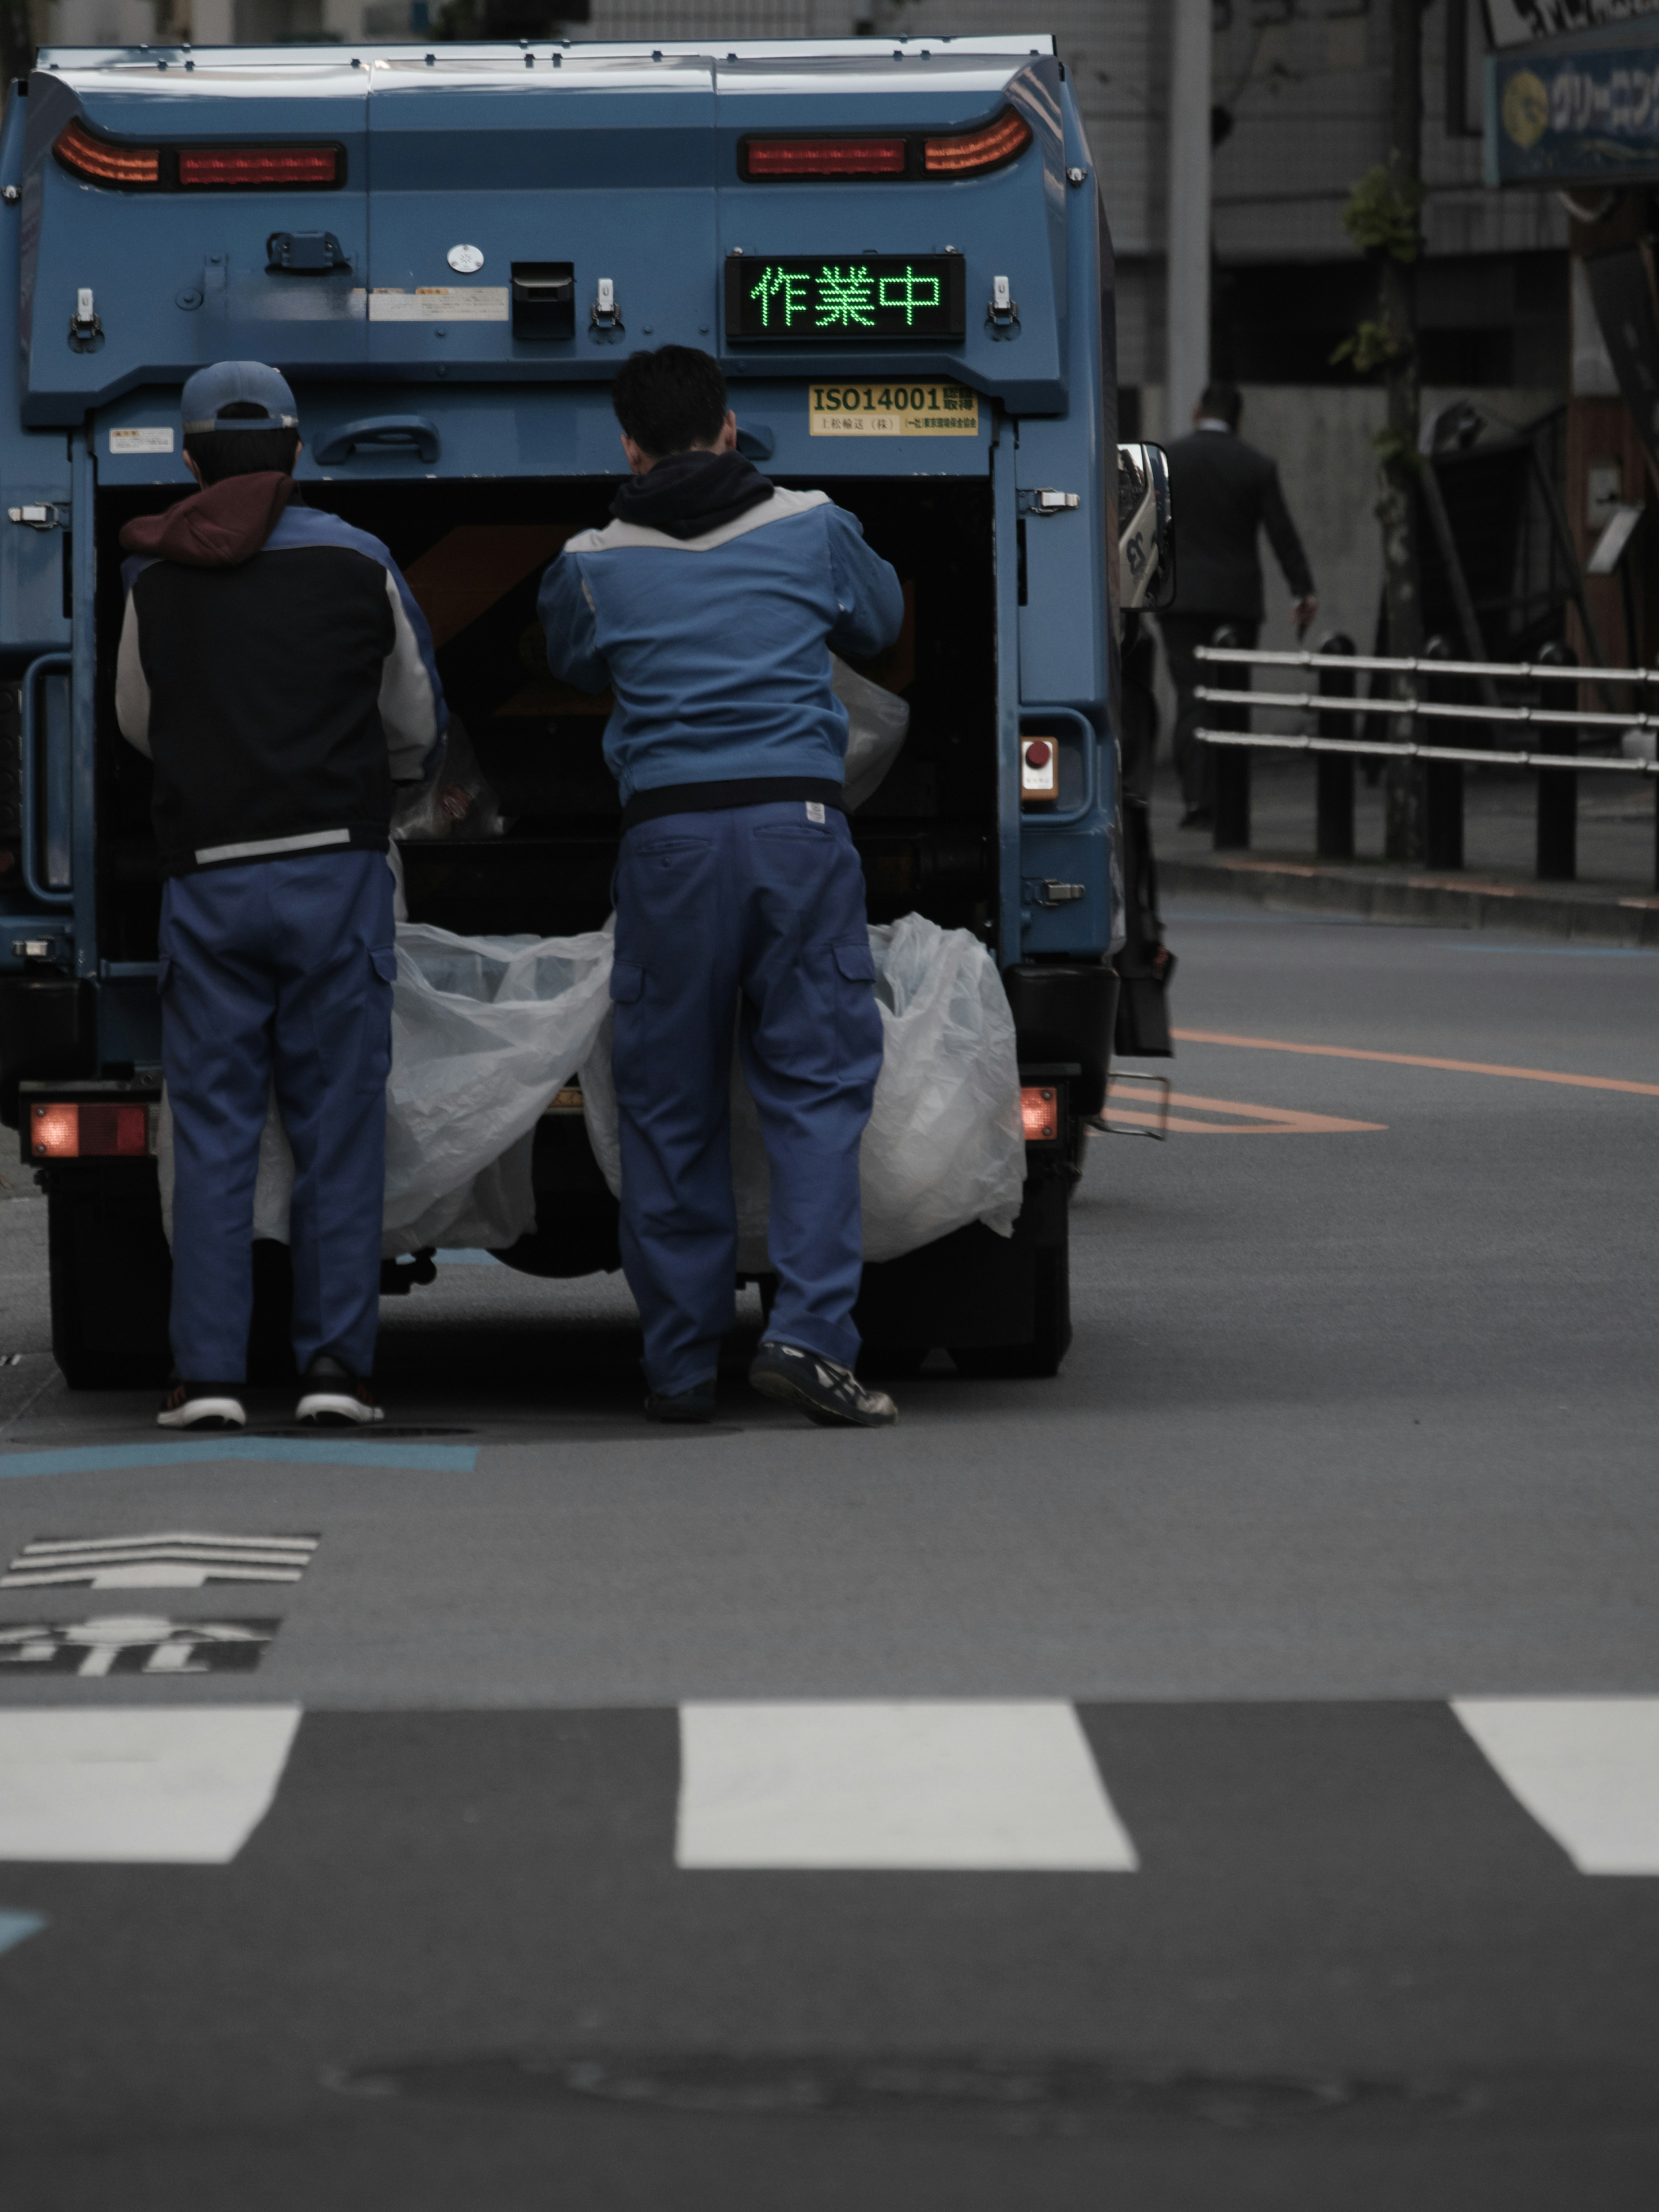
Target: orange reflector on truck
x,y
985,148
1039,1111
89,1129
824,157
104,159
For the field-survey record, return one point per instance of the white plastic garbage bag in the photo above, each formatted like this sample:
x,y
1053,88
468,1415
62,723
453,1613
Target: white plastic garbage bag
x,y
485,1029
944,1146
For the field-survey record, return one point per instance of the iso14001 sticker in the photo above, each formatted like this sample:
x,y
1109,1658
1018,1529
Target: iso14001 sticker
x,y
887,410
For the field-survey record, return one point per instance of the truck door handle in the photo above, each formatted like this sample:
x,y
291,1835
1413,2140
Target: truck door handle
x,y
381,434
49,663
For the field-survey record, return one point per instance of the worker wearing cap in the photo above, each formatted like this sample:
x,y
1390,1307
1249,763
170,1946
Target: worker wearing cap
x,y
275,670
711,605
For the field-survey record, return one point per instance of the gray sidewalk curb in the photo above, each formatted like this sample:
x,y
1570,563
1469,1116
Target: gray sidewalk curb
x,y
1607,917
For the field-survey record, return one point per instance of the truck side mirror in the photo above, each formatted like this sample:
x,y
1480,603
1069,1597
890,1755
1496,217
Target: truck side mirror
x,y
1146,530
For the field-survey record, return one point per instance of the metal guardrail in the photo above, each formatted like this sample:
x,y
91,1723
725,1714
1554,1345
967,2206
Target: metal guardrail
x,y
1335,701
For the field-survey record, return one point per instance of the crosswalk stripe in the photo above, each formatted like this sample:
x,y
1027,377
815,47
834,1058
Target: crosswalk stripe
x,y
139,1785
1587,1769
976,1787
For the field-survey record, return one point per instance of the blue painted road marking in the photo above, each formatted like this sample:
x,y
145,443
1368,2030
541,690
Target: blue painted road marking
x,y
18,1927
291,1451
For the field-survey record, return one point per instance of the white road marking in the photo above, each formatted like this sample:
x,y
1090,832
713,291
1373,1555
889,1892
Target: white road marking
x,y
184,1786
920,1785
172,1560
1587,1769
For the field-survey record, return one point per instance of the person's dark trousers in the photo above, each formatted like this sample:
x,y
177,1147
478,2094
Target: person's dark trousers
x,y
279,970
751,919
1182,634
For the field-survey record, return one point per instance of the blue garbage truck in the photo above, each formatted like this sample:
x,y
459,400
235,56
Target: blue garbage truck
x,y
897,249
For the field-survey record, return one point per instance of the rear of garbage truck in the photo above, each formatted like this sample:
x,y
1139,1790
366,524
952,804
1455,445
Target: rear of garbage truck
x,y
898,252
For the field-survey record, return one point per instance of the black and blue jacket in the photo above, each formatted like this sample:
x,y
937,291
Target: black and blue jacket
x,y
275,668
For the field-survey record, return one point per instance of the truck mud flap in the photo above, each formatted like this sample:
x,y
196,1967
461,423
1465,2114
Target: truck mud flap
x,y
1000,1305
47,1026
1064,1010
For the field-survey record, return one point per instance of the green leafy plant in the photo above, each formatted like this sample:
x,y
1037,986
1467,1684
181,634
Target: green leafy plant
x,y
1372,346
1397,453
1383,214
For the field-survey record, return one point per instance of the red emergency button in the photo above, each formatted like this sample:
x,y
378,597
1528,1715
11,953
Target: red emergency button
x,y
1038,753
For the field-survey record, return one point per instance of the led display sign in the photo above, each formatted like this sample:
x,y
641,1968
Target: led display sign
x,y
861,298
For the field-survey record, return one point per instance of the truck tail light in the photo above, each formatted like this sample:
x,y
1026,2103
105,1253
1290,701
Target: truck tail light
x,y
824,157
196,168
89,1130
103,160
1039,1111
273,166
987,148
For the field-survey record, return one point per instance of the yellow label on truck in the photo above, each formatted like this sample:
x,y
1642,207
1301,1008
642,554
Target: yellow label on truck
x,y
888,409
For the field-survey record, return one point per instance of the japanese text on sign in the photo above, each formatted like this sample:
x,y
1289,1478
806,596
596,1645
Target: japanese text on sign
x,y
883,408
874,297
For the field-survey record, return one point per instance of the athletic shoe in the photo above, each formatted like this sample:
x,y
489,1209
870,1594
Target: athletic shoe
x,y
693,1405
334,1398
828,1394
201,1406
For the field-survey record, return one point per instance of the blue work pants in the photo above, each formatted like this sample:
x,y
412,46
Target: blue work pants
x,y
751,918
279,969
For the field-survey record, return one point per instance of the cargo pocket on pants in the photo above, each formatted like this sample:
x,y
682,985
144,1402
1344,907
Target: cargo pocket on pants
x,y
858,1017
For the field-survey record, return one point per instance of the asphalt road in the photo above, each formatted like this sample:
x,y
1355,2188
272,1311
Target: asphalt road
x,y
1225,1776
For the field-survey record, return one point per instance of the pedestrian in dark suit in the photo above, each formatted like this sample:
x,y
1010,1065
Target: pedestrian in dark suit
x,y
1223,494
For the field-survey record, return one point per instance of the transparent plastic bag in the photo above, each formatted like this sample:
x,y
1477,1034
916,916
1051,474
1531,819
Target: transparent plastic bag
x,y
483,1031
878,722
486,1029
459,802
944,1146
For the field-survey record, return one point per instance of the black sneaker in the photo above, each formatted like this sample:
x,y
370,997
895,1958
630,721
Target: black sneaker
x,y
332,1397
828,1394
693,1405
202,1406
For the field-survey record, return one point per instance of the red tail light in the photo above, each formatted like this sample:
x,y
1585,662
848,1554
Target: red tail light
x,y
196,168
1040,1112
105,161
985,148
275,165
824,157
72,1131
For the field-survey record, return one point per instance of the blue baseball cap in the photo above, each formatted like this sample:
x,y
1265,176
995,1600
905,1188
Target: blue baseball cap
x,y
210,390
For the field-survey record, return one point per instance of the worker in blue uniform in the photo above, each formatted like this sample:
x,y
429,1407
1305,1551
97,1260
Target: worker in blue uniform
x,y
711,605
275,670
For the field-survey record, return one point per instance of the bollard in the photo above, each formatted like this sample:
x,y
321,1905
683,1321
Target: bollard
x,y
1443,783
1232,763
1557,789
1334,772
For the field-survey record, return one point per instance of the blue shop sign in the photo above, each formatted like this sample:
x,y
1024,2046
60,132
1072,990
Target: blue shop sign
x,y
1591,117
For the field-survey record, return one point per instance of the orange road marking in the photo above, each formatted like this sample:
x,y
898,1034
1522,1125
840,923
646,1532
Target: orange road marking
x,y
1266,1121
1420,1059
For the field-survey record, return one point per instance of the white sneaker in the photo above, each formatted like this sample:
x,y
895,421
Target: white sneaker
x,y
195,1406
332,1397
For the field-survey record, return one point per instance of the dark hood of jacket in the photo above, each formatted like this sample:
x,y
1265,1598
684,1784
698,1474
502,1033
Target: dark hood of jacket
x,y
218,528
689,494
